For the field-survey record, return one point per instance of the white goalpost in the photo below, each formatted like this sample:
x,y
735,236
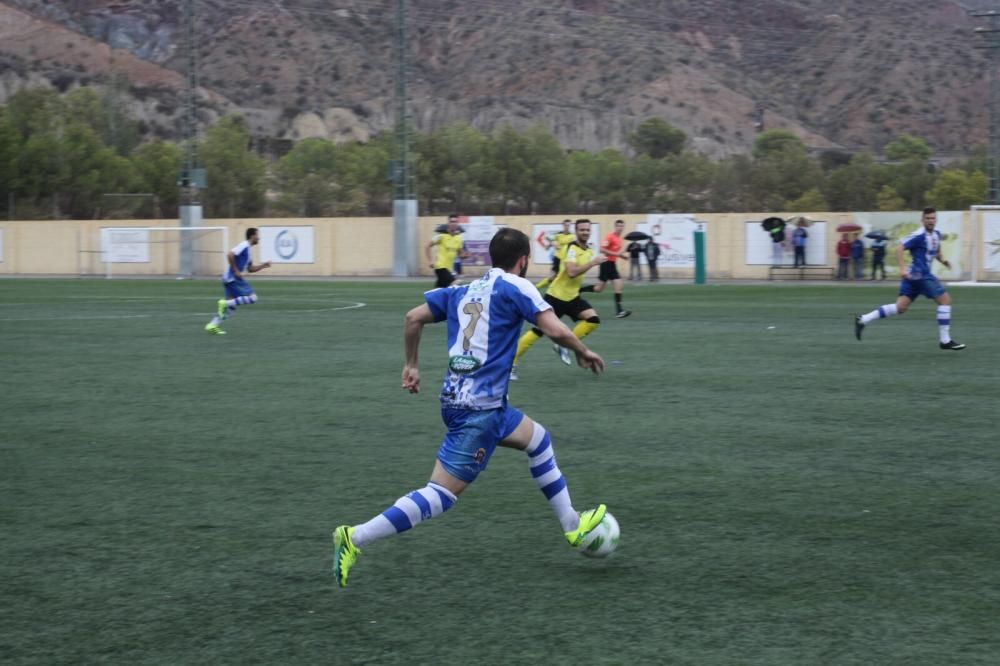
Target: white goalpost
x,y
158,251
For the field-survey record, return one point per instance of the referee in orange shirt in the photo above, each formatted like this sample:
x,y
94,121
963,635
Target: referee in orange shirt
x,y
611,248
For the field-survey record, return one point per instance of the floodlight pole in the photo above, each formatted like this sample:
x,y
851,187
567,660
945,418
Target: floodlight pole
x,y
992,35
404,202
191,178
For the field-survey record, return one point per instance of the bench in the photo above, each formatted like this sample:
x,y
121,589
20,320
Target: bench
x,y
801,273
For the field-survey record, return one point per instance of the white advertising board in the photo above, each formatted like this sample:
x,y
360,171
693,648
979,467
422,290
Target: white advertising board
x,y
125,246
287,245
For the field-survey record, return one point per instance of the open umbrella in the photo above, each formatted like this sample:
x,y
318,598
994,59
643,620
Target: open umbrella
x,y
877,234
848,227
801,221
772,223
637,236
441,229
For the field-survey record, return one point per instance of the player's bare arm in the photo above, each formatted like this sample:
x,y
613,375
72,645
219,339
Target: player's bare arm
x,y
231,258
901,260
559,333
574,270
944,261
413,327
253,268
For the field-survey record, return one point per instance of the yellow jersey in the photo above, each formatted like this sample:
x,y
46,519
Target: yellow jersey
x,y
564,287
448,247
562,241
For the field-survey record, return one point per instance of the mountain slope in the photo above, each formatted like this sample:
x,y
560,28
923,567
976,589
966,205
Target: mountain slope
x,y
848,73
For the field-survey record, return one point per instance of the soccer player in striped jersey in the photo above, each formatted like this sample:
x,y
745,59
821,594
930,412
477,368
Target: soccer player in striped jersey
x,y
924,246
238,290
484,319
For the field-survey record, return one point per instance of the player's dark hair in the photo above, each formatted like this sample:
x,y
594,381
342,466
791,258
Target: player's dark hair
x,y
251,232
929,210
582,220
508,245
453,217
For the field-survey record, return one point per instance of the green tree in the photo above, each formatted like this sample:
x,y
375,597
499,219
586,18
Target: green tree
x,y
307,177
907,147
156,165
235,174
810,201
856,186
888,199
776,141
957,190
10,148
685,183
657,138
450,166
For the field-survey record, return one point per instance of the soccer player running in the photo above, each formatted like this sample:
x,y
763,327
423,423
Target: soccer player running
x,y
238,290
924,246
611,247
484,319
449,246
561,242
564,296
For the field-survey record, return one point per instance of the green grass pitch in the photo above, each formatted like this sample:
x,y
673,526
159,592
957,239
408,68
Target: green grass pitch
x,y
787,495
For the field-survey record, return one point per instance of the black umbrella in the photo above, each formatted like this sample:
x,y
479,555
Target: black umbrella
x,y
877,235
637,236
772,223
441,229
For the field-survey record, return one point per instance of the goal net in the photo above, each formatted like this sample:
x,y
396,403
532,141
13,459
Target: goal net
x,y
164,251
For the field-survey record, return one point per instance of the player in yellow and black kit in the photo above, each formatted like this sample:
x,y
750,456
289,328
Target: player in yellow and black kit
x,y
564,294
449,245
561,243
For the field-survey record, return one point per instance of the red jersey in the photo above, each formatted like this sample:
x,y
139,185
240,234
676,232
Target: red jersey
x,y
612,243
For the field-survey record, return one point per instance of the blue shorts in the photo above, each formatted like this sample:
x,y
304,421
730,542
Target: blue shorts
x,y
237,288
472,438
928,286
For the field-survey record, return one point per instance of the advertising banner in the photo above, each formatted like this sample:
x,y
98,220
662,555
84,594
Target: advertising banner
x,y
674,233
287,245
542,236
991,241
125,246
477,232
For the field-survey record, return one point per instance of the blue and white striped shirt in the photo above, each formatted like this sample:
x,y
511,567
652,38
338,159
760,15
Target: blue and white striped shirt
x,y
484,324
242,253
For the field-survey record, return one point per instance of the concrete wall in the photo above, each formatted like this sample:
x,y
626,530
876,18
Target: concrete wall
x,y
363,246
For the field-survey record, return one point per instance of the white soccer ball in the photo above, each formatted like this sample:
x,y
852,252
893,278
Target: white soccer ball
x,y
603,539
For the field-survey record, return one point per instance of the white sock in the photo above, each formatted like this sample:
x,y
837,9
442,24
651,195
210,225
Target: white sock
x,y
552,483
944,322
408,511
880,313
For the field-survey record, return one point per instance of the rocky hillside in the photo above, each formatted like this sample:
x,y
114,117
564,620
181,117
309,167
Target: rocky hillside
x,y
839,72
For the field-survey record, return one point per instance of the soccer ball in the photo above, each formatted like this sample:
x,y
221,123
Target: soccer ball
x,y
603,539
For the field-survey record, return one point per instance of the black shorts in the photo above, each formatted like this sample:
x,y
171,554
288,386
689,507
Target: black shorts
x,y
572,308
444,277
609,271
555,265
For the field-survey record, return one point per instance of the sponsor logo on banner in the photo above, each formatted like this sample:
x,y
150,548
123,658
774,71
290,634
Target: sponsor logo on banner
x,y
287,245
675,236
543,235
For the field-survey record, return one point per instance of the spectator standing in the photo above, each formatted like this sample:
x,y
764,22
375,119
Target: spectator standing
x,y
634,267
653,259
843,257
799,237
878,256
858,257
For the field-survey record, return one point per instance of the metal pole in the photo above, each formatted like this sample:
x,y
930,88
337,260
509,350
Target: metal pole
x,y
699,254
404,205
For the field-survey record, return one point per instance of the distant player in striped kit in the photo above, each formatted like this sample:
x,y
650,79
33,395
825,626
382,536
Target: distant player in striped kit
x,y
924,246
484,319
238,290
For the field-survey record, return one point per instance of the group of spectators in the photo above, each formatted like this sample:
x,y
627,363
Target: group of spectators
x,y
851,253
